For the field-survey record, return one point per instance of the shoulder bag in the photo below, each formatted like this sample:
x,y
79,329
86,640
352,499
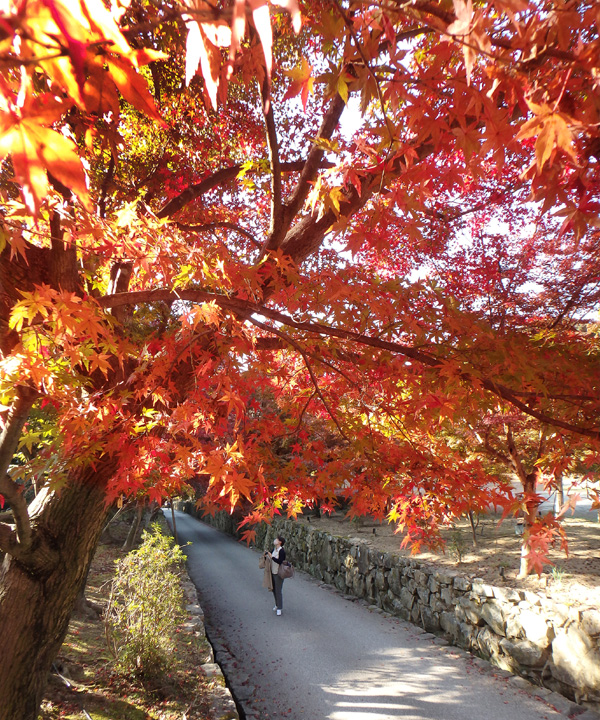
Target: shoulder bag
x,y
286,570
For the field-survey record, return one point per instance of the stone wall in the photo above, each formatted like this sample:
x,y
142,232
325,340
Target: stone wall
x,y
554,646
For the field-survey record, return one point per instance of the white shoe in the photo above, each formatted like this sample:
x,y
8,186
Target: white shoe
x,y
275,608
279,612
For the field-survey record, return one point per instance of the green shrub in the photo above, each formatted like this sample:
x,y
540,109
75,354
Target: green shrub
x,y
146,606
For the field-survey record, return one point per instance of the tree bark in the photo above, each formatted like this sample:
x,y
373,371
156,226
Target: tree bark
x,y
530,488
473,528
36,601
133,530
559,492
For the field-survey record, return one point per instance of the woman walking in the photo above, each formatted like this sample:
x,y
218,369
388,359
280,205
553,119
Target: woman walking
x,y
277,556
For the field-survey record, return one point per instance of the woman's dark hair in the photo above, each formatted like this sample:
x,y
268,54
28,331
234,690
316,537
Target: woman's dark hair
x,y
281,539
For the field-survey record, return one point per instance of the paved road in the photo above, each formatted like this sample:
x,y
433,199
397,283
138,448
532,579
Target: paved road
x,y
327,658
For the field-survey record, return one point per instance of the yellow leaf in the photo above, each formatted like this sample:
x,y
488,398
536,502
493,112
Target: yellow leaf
x,y
334,196
342,88
210,313
294,10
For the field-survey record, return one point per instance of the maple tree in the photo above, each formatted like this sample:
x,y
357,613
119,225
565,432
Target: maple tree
x,y
293,249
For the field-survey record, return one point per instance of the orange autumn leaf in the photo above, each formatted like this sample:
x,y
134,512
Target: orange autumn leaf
x,y
34,149
132,86
302,82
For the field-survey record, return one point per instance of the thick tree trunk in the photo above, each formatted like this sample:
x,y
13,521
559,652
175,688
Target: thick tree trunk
x,y
36,601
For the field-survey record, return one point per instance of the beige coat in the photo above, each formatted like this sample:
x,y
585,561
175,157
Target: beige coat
x,y
267,577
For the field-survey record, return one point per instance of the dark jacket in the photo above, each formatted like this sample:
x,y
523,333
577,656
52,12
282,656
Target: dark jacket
x,y
281,556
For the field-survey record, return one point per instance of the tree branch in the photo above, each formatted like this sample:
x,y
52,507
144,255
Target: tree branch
x,y
313,163
108,176
64,268
120,276
9,542
313,378
515,458
195,191
214,225
495,453
542,444
307,235
245,309
217,178
14,495
299,423
273,145
9,440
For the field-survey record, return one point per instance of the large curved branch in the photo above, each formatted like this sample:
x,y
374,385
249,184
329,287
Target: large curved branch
x,y
313,163
306,236
220,177
246,309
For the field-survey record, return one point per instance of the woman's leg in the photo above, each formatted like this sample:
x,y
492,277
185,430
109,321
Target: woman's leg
x,y
277,591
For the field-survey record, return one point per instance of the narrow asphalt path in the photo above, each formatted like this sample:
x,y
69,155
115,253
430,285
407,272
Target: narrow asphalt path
x,y
328,658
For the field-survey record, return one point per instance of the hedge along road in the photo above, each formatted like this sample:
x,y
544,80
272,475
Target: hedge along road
x,y
327,657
